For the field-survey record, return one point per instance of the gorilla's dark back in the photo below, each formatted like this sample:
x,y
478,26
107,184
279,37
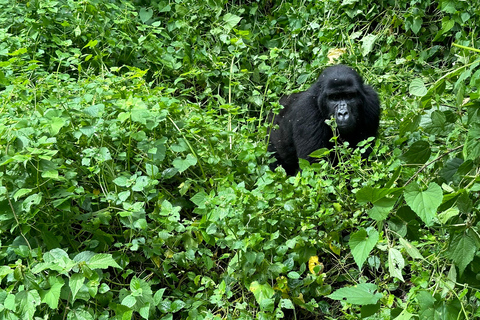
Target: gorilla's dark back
x,y
338,92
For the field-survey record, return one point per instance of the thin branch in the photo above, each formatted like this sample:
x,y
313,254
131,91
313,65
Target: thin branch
x,y
434,160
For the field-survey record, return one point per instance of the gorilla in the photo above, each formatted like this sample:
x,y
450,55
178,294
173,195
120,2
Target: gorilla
x,y
340,93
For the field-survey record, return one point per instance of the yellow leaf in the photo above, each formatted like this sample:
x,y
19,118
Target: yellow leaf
x,y
281,285
169,254
334,247
334,54
312,262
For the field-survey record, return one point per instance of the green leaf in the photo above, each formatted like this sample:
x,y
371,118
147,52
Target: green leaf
x,y
395,263
145,14
418,153
9,302
121,181
462,250
52,295
21,192
141,116
424,203
441,309
261,291
184,164
4,271
383,200
362,293
199,199
367,44
129,301
26,303
76,282
471,149
56,124
417,88
95,110
370,194
417,24
410,123
31,200
362,243
158,297
177,305
411,250
444,216
231,21
102,261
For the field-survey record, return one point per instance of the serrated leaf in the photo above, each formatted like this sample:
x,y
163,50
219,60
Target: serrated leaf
x,y
52,295
362,293
418,153
102,261
75,283
471,149
417,88
395,263
424,203
462,250
450,168
26,303
362,243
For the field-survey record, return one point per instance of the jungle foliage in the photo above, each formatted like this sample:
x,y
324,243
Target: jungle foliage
x,y
134,180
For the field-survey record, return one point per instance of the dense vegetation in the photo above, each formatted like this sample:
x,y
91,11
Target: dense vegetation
x,y
134,180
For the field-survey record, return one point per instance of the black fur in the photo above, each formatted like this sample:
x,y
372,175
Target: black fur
x,y
338,92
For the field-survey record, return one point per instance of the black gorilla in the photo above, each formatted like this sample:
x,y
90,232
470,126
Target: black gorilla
x,y
338,92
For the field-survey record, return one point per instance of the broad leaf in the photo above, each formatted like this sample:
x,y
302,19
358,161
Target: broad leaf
x,y
262,292
424,203
184,164
362,293
462,250
417,88
418,153
362,243
471,149
102,261
395,263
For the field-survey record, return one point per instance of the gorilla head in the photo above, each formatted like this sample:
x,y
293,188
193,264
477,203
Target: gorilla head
x,y
341,97
340,93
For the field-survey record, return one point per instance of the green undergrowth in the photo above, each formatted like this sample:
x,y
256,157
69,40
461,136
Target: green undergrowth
x,y
134,179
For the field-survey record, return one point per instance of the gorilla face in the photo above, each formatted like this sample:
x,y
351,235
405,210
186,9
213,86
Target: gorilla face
x,y
342,100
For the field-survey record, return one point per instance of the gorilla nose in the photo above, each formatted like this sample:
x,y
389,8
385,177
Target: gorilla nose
x,y
342,115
